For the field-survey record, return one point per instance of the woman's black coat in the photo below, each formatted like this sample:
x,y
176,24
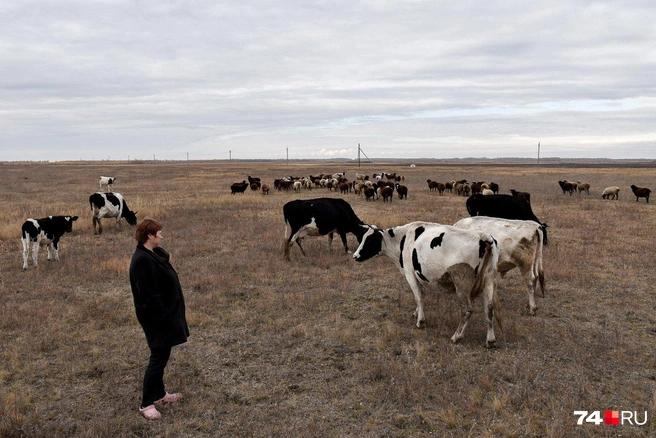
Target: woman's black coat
x,y
158,299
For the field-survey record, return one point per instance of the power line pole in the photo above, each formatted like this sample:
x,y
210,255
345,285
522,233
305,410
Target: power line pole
x,y
288,156
538,153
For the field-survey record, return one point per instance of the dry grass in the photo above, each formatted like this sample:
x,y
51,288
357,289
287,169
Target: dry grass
x,y
321,346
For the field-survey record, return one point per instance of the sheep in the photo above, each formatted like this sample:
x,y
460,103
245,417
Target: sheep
x,y
612,192
239,187
265,189
487,192
494,187
583,187
297,186
387,193
402,191
369,193
521,195
432,185
641,192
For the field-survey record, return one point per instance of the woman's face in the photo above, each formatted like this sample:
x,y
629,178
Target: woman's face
x,y
156,239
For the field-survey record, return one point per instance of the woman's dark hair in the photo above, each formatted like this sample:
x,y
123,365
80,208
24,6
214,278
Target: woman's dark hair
x,y
146,227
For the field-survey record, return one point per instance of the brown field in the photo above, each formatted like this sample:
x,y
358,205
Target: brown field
x,y
321,346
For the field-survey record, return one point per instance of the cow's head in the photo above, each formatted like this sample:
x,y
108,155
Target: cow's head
x,y
371,244
130,217
68,220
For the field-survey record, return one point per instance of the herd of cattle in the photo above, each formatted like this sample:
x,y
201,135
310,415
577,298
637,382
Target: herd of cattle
x,y
468,257
502,234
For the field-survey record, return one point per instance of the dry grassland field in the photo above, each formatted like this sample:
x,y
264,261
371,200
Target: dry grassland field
x,y
322,346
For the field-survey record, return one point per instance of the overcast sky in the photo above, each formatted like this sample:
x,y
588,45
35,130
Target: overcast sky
x,y
114,79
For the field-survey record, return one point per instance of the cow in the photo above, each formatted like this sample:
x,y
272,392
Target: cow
x,y
640,192
318,217
520,246
108,205
441,255
45,231
106,182
503,207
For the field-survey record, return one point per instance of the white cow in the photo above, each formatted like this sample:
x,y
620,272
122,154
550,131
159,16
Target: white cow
x,y
110,205
520,246
106,182
432,254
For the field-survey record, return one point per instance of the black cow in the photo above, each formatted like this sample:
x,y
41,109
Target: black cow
x,y
504,207
318,217
45,231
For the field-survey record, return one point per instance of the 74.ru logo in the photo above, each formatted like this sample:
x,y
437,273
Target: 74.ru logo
x,y
611,418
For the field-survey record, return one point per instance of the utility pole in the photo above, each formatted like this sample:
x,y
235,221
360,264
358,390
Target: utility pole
x,y
538,153
230,155
288,156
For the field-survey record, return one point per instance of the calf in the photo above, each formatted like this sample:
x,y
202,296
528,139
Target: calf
x,y
318,217
45,231
503,207
440,255
611,193
107,182
110,205
520,246
641,192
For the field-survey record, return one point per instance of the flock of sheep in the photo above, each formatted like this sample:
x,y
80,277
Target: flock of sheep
x,y
383,185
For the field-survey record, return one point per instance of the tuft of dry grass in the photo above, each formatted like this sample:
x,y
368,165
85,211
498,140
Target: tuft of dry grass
x,y
321,345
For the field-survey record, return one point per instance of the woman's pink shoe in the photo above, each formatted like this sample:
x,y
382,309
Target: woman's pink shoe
x,y
168,398
150,412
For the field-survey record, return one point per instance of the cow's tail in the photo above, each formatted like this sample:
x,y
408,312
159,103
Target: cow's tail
x,y
487,271
538,272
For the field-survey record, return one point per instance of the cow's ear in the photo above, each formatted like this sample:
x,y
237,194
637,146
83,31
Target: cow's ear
x,y
74,218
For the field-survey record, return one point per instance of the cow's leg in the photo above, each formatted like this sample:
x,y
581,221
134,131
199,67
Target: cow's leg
x,y
55,247
489,302
330,241
531,282
467,310
118,222
35,253
342,235
26,251
416,290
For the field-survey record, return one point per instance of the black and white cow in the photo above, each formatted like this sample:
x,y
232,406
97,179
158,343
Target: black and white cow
x,y
440,255
107,182
520,246
45,231
503,207
318,217
108,205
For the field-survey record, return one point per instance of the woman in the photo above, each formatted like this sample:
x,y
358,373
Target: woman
x,y
160,309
